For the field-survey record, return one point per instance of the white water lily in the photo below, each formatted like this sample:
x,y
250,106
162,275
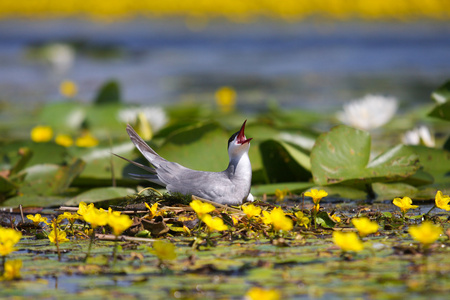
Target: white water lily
x,y
370,112
60,56
419,136
156,116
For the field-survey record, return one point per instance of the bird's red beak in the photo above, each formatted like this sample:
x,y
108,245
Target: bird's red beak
x,y
241,139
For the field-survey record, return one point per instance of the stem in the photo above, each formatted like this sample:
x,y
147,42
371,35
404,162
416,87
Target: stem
x,y
115,251
90,245
3,265
370,193
434,206
57,240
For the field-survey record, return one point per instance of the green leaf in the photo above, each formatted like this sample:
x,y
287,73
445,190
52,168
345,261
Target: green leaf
x,y
25,156
342,155
109,93
283,162
435,162
100,163
34,201
441,111
103,120
269,189
7,186
101,194
442,94
200,147
64,117
389,191
49,153
67,174
324,220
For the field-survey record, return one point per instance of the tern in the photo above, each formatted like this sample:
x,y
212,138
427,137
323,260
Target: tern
x,y
230,187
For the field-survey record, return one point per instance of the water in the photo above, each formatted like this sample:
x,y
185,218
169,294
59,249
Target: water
x,y
306,65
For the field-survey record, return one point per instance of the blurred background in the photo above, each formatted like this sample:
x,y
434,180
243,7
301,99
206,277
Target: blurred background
x,y
303,54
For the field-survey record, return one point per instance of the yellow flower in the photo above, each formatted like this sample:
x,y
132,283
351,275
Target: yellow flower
x,y
404,204
164,250
8,239
365,226
280,194
442,201
336,219
347,241
214,223
279,220
154,210
61,237
256,293
266,217
251,210
301,219
201,208
71,217
119,223
226,99
426,233
234,220
68,88
12,269
37,218
86,140
316,195
41,134
64,140
96,217
83,208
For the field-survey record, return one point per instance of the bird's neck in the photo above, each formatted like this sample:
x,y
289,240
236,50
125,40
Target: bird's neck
x,y
240,167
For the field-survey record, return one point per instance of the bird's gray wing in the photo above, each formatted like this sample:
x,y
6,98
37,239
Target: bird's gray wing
x,y
208,185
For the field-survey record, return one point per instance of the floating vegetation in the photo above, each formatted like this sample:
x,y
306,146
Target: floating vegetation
x,y
74,224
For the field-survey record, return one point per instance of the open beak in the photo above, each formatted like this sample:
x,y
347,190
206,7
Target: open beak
x,y
241,139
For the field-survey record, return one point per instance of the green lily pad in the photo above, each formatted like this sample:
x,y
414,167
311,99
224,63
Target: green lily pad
x,y
389,191
435,162
42,153
442,94
324,220
269,189
63,117
7,186
441,111
200,147
101,194
49,179
34,201
343,155
108,93
100,163
284,162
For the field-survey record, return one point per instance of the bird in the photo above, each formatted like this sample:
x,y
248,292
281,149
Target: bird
x,y
229,187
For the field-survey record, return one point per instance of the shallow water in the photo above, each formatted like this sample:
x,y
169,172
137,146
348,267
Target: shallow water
x,y
307,65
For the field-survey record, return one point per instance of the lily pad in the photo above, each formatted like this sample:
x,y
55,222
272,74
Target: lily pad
x,y
269,189
49,179
284,162
435,162
343,155
108,93
63,117
200,147
34,201
101,194
100,163
442,94
441,111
